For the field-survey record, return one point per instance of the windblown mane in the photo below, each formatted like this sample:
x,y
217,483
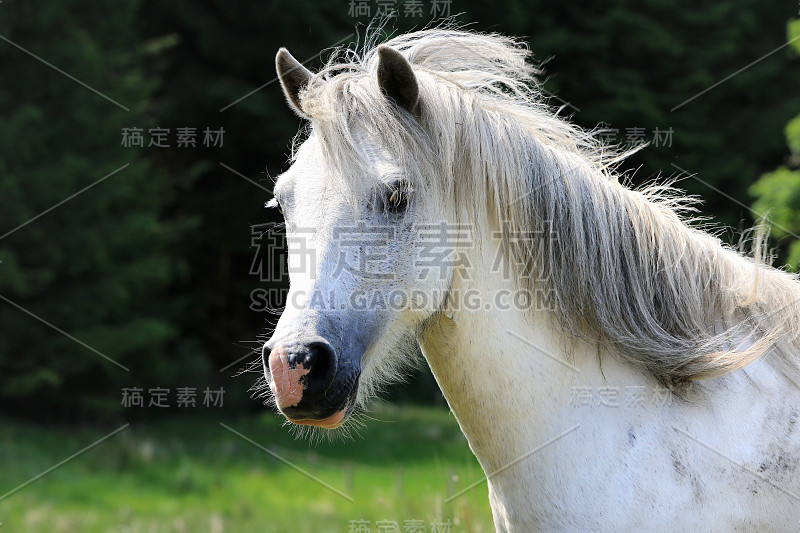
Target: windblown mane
x,y
626,267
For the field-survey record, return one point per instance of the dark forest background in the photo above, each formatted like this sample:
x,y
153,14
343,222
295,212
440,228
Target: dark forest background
x,y
153,266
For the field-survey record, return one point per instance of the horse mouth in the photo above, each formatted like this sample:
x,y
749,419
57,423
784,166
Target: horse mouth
x,y
328,412
331,422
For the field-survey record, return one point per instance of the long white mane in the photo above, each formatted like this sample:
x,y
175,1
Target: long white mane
x,y
626,267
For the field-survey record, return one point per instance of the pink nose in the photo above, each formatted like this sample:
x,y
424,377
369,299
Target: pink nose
x,y
285,384
304,373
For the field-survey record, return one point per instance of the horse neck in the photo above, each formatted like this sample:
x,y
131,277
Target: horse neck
x,y
508,375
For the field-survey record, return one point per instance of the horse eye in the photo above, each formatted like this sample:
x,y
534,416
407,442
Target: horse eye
x,y
397,199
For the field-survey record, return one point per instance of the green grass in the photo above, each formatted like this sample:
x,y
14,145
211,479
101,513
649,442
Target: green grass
x,y
193,475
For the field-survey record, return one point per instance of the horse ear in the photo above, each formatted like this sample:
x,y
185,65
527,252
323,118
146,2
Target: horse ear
x,y
294,76
396,78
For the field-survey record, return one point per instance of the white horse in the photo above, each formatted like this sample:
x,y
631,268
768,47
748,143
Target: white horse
x,y
613,367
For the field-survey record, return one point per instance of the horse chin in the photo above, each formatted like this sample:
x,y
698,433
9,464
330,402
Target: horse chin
x,y
332,422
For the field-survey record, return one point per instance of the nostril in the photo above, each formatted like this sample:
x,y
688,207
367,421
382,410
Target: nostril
x,y
323,366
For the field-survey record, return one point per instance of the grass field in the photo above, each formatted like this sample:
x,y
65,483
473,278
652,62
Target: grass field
x,y
194,475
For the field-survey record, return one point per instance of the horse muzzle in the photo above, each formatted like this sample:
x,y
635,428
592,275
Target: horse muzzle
x,y
309,384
